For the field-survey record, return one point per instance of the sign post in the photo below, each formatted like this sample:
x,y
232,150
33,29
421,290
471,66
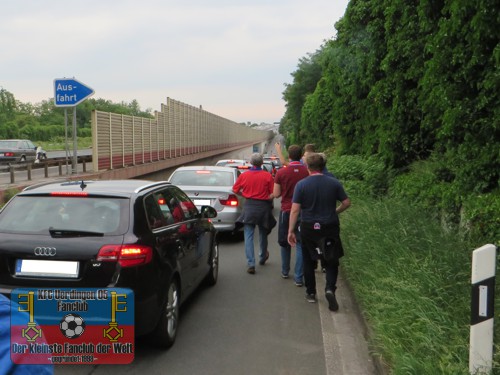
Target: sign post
x,y
69,92
482,309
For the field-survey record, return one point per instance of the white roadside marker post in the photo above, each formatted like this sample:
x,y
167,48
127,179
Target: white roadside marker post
x,y
482,309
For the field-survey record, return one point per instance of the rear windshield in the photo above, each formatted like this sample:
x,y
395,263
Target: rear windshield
x,y
8,144
224,163
203,178
38,214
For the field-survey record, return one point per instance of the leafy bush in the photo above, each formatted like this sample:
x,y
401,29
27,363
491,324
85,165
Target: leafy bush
x,y
428,185
8,194
419,185
481,216
360,175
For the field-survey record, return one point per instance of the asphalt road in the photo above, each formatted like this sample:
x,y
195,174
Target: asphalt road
x,y
38,174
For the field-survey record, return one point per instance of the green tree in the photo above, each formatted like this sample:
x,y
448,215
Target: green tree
x,y
461,92
305,78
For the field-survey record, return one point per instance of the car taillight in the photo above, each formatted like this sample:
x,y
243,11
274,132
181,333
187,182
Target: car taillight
x,y
126,255
8,154
69,194
230,200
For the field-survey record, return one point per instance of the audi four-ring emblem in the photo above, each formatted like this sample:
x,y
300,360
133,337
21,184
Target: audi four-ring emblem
x,y
45,251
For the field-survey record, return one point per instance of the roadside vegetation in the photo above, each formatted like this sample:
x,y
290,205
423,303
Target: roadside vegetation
x,y
410,274
58,143
405,103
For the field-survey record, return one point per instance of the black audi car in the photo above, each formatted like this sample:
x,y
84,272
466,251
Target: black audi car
x,y
144,235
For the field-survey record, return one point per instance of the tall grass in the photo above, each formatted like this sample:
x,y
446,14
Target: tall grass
x,y
58,143
412,280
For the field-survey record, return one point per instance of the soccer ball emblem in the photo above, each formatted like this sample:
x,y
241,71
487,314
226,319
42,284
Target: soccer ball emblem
x,y
72,326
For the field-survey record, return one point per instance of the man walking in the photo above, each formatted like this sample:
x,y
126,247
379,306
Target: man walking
x,y
315,198
256,185
284,184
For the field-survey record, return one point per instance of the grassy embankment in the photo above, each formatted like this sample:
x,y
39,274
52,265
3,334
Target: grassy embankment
x,y
411,278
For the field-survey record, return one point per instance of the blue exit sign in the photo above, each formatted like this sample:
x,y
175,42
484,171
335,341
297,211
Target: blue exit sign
x,y
68,92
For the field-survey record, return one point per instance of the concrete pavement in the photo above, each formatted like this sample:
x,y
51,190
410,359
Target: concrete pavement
x,y
345,334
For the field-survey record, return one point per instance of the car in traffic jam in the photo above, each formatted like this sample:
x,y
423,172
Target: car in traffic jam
x,y
212,185
144,235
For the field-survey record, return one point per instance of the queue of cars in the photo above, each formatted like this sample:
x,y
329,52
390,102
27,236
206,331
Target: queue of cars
x,y
143,235
212,186
160,239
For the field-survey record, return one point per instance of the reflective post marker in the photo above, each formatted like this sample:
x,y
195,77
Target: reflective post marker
x,y
482,309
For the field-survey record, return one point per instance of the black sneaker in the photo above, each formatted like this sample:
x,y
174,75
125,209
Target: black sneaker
x,y
332,301
251,270
299,283
311,298
264,260
284,276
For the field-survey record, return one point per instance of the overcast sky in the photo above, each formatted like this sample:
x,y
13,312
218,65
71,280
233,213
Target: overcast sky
x,y
233,57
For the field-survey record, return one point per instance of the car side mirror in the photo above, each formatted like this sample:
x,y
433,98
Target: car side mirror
x,y
208,212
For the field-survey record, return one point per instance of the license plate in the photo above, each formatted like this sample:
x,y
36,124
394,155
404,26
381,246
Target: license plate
x,y
47,268
201,202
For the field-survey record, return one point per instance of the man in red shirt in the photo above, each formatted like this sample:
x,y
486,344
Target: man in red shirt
x,y
256,185
284,183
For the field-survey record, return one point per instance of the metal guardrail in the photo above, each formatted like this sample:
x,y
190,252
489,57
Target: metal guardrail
x,y
45,164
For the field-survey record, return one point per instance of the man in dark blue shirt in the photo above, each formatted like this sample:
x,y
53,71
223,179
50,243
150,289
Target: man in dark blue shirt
x,y
316,198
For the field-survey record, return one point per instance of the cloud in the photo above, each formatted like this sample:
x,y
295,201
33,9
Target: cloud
x,y
216,52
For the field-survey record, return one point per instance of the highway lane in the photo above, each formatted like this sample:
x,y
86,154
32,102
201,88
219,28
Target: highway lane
x,y
38,174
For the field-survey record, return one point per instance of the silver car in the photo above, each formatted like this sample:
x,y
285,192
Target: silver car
x,y
17,150
231,162
213,186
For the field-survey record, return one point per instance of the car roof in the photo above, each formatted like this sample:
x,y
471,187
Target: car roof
x,y
204,167
232,161
116,187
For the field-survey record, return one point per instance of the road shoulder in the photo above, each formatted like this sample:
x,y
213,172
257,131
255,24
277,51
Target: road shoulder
x,y
345,333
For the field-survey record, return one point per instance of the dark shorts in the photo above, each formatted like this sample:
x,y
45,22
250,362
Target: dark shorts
x,y
322,241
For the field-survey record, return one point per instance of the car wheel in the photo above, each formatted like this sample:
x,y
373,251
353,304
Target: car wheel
x,y
166,331
213,274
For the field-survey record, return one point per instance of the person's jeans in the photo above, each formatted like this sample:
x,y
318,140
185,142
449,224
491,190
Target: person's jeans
x,y
248,230
285,262
286,249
